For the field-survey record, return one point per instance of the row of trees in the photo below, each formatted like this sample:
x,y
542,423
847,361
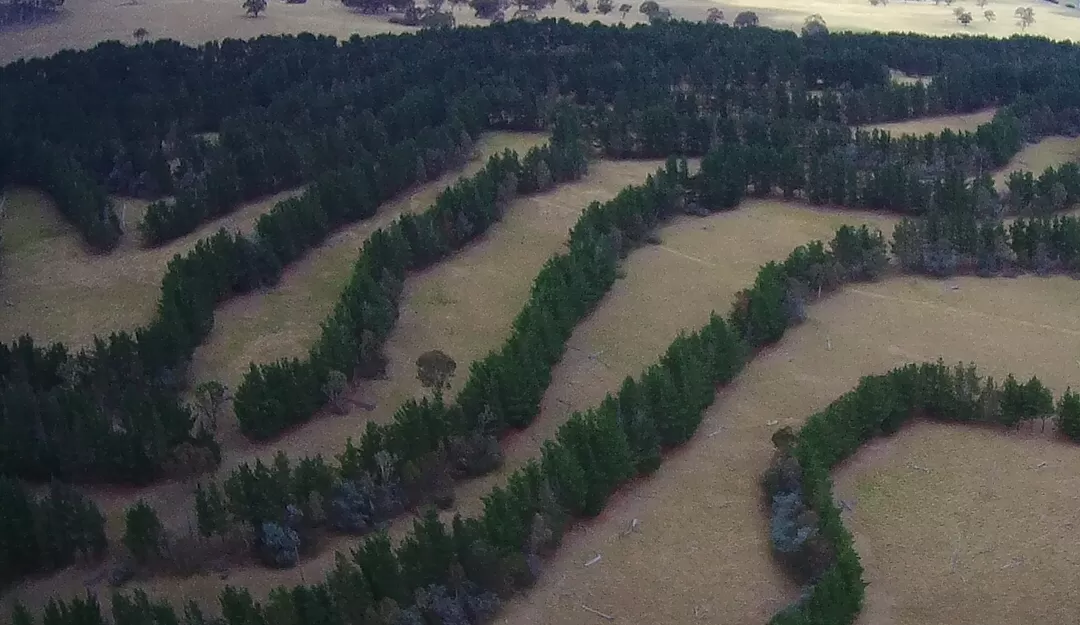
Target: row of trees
x,y
806,529
134,119
113,412
279,395
458,573
43,534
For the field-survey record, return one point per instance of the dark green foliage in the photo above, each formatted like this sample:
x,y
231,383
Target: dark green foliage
x,y
143,533
40,535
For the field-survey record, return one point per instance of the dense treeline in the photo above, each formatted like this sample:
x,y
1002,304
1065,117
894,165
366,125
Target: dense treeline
x,y
412,459
134,120
43,534
459,574
807,531
279,395
112,412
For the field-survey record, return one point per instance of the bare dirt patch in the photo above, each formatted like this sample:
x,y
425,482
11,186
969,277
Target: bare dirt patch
x,y
55,289
702,550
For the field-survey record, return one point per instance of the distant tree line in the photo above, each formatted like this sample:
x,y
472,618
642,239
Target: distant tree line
x,y
135,120
806,528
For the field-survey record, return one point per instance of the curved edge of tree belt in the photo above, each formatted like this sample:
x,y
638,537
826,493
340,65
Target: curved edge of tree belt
x,y
806,529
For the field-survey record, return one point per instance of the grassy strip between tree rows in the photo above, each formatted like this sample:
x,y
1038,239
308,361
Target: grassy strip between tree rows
x,y
807,532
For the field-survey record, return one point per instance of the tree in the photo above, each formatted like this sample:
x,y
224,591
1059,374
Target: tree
x,y
963,16
990,16
1068,415
746,18
488,9
140,34
624,9
980,3
604,7
143,532
649,8
1025,16
210,399
714,16
434,370
335,387
814,26
254,7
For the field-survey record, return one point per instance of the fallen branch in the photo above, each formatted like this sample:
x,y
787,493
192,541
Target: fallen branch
x,y
598,613
594,560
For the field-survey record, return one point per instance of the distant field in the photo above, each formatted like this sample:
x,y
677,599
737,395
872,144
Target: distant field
x,y
83,23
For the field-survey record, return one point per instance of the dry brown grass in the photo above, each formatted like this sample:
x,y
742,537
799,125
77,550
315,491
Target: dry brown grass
x,y
463,305
979,534
54,289
924,125
83,24
1036,157
703,544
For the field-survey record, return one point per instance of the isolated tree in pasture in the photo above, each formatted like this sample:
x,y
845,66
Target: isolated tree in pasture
x,y
434,370
989,15
746,18
963,16
603,7
648,8
714,16
335,387
625,8
814,26
140,34
1025,16
143,531
254,7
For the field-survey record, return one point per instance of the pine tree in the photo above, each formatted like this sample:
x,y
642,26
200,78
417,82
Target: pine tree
x,y
1068,415
143,532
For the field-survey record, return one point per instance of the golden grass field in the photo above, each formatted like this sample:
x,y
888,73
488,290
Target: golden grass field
x,y
702,552
83,23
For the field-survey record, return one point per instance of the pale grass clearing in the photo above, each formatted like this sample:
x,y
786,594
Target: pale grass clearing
x,y
1036,157
55,289
924,17
923,125
962,526
464,305
702,551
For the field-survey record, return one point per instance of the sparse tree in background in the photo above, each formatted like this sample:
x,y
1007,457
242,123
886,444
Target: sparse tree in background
x,y
662,16
962,15
581,6
814,26
990,15
746,18
603,7
140,35
714,16
624,9
254,7
434,370
143,532
1025,16
981,3
648,8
